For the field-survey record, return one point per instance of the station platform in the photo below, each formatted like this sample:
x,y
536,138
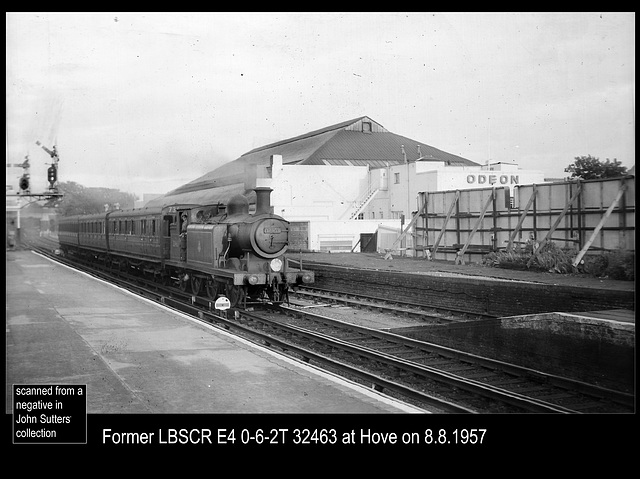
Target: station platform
x,y
134,356
475,288
420,266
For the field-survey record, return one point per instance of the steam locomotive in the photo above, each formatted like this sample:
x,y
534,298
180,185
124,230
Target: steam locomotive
x,y
213,250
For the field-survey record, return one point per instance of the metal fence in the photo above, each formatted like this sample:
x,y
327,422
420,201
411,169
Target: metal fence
x,y
586,216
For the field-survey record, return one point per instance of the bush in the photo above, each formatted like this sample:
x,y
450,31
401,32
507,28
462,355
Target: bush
x,y
553,259
506,260
550,258
613,264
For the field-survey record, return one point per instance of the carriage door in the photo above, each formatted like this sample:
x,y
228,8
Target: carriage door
x,y
169,236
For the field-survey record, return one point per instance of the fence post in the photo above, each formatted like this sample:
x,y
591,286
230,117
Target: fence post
x,y
600,224
477,225
437,242
555,224
404,233
522,218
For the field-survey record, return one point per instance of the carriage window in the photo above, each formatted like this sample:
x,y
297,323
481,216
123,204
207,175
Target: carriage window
x,y
143,229
153,227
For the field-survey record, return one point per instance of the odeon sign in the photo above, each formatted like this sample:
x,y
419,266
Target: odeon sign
x,y
493,179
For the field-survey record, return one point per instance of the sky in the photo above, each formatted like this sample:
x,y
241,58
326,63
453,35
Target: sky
x,y
145,102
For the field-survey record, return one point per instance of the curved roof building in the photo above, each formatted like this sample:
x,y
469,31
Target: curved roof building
x,y
356,142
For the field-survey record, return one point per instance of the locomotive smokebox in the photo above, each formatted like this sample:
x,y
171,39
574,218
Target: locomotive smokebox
x,y
263,200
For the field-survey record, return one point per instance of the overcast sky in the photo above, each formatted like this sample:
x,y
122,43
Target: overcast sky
x,y
148,102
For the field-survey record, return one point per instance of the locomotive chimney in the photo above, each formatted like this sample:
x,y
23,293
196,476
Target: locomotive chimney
x,y
263,200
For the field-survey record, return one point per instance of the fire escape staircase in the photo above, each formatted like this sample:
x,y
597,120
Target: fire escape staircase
x,y
362,202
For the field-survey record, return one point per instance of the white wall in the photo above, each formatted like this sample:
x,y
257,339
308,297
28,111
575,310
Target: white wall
x,y
325,196
309,192
436,176
343,234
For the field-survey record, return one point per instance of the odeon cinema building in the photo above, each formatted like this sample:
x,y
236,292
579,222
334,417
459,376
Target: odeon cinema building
x,y
345,181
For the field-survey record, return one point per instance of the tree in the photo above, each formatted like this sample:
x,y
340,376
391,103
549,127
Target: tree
x,y
80,200
590,168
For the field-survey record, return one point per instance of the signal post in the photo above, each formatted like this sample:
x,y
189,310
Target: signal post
x,y
24,191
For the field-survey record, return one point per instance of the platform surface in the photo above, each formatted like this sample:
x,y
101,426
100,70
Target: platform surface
x,y
64,327
620,315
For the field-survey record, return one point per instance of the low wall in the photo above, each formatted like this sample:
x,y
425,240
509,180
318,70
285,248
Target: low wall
x,y
498,298
586,349
576,326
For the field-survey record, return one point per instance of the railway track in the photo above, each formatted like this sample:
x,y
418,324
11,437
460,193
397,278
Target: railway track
x,y
427,375
396,308
482,384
